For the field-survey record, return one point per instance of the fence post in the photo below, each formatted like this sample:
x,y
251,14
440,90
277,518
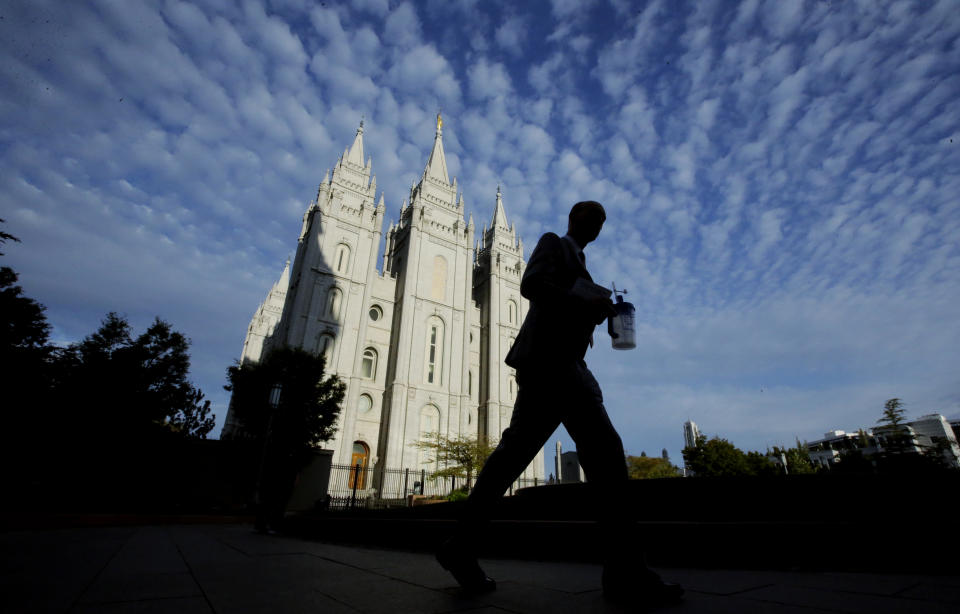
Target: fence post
x,y
534,481
423,479
356,480
511,489
406,481
453,483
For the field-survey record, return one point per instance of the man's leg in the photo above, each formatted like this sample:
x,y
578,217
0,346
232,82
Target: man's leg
x,y
533,420
600,451
625,575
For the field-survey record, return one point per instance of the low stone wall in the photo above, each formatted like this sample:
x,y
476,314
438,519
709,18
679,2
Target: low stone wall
x,y
843,523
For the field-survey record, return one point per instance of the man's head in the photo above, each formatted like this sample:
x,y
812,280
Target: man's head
x,y
585,221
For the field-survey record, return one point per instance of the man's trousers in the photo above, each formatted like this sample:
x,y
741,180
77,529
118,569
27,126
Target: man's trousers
x,y
546,398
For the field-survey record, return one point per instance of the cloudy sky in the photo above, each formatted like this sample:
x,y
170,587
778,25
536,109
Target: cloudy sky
x,y
782,179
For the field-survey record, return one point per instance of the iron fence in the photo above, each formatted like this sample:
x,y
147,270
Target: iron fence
x,y
352,486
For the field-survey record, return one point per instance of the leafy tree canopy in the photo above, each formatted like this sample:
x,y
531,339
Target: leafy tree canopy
x,y
798,459
120,386
715,458
643,467
24,331
309,404
23,328
718,457
460,456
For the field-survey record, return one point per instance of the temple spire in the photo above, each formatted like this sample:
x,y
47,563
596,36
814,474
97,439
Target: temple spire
x,y
355,155
499,215
437,164
284,280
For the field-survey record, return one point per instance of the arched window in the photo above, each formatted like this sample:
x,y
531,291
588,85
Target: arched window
x,y
434,351
368,366
325,348
511,312
334,298
341,259
512,387
470,384
429,428
438,289
360,456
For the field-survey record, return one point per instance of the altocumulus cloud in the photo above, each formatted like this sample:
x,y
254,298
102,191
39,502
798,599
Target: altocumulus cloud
x,y
781,177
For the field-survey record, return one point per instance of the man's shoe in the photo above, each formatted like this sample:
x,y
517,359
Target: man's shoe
x,y
465,569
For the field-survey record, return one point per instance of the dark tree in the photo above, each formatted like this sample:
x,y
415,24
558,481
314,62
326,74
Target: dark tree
x,y
894,413
798,459
24,361
893,430
4,236
714,458
24,331
305,416
760,464
309,403
23,327
112,386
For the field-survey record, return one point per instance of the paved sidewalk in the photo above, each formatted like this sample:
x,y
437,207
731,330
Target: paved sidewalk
x,y
229,569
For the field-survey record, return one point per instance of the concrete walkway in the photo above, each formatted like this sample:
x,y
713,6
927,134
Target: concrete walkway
x,y
184,569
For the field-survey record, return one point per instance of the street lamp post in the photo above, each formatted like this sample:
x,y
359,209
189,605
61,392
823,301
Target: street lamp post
x,y
262,513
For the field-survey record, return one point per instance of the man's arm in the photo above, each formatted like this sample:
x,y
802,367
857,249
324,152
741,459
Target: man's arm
x,y
544,280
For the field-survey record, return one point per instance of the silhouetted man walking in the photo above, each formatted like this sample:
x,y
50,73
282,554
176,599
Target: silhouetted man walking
x,y
556,387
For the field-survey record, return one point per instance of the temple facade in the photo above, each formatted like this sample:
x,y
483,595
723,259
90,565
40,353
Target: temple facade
x,y
416,320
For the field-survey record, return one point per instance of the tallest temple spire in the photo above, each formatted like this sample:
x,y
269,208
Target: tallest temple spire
x,y
437,163
355,155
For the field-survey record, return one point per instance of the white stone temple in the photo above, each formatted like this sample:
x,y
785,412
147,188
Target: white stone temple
x,y
419,340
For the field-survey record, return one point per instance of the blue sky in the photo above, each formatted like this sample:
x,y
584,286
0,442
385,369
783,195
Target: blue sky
x,y
782,179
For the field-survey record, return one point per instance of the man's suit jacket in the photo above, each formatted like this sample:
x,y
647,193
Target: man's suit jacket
x,y
558,325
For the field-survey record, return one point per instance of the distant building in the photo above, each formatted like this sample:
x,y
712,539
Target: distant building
x,y
941,435
690,434
926,433
826,452
557,462
570,470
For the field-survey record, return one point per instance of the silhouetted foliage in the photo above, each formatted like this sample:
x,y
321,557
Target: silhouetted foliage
x,y
111,385
461,456
718,457
24,361
853,462
894,433
759,464
798,459
23,329
715,458
309,405
5,236
643,467
894,413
